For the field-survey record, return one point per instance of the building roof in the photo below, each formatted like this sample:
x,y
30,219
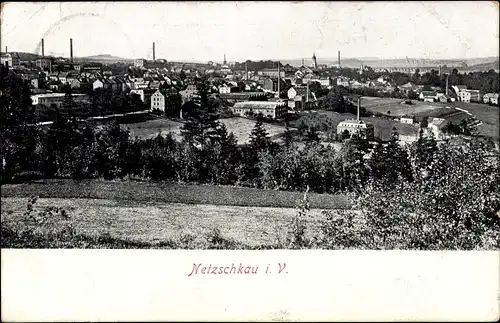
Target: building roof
x,y
354,121
255,105
429,93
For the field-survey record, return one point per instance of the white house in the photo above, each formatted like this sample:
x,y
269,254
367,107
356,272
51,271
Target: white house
x,y
469,95
407,120
97,84
356,127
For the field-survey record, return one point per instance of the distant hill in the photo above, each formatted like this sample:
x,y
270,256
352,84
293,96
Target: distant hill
x,y
103,58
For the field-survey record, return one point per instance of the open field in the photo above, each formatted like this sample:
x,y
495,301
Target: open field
x,y
148,215
383,127
150,128
396,109
163,192
155,223
240,127
488,115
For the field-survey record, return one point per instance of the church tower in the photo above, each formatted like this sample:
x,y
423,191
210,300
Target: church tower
x,y
315,62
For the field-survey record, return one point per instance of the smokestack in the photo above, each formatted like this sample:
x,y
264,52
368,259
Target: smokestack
x,y
246,71
339,58
279,77
446,91
71,49
43,48
154,57
6,51
359,106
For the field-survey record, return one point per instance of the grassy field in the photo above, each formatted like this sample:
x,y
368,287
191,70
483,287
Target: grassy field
x,y
148,215
240,127
384,105
155,223
143,192
488,115
383,127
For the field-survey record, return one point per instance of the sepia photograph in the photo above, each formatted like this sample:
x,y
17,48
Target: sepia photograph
x,y
250,126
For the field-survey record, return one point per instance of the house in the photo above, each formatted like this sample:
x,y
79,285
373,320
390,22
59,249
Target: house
x,y
139,62
75,83
168,101
270,109
343,81
407,120
469,95
325,81
139,92
357,127
435,125
44,63
491,98
97,84
458,88
271,84
224,88
441,97
428,96
35,83
189,93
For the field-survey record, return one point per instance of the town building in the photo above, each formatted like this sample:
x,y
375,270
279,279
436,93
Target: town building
x,y
270,109
139,63
271,72
189,93
168,101
435,126
56,98
45,63
358,127
470,96
491,98
428,96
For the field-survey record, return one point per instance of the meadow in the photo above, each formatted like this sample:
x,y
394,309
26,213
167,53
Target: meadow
x,y
240,127
157,215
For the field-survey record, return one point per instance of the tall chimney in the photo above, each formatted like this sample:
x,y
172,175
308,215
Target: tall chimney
x,y
446,91
279,77
71,49
6,51
359,105
154,57
246,71
43,48
339,58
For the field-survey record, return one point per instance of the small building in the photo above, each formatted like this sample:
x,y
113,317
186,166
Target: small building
x,y
189,93
428,96
44,63
435,125
270,109
362,129
139,62
55,98
407,120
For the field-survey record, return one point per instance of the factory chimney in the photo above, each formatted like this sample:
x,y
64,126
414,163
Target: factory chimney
x,y
359,106
154,57
43,48
246,71
446,91
302,62
279,79
6,51
339,59
71,49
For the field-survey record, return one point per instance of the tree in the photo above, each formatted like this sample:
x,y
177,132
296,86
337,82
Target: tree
x,y
312,134
259,139
200,127
287,135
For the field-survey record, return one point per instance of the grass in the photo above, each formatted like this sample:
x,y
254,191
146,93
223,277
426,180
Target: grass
x,y
488,115
156,225
383,127
164,192
240,127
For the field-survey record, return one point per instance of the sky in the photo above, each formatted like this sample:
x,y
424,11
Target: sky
x,y
203,31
